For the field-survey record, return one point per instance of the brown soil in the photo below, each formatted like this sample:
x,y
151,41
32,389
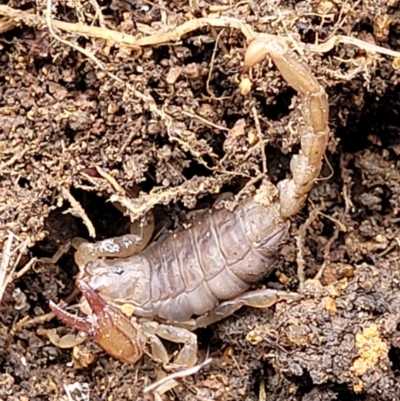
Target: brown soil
x,y
165,124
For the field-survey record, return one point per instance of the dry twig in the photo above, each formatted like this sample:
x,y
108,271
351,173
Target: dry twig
x,y
301,235
260,139
145,202
77,210
8,263
111,180
175,34
170,379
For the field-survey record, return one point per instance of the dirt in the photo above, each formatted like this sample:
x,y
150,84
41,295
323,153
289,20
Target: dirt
x,y
169,116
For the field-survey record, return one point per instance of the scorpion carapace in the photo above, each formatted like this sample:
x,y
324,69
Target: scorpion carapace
x,y
198,276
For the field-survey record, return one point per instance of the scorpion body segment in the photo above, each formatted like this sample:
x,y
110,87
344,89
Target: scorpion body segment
x,y
191,272
195,277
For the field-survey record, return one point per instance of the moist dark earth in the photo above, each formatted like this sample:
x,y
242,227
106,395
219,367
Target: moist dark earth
x,y
170,119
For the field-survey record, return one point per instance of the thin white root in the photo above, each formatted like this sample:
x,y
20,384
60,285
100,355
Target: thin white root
x,y
162,385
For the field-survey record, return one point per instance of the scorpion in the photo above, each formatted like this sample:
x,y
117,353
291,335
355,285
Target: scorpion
x,y
200,275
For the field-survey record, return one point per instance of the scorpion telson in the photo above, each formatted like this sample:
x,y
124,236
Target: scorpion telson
x,y
201,275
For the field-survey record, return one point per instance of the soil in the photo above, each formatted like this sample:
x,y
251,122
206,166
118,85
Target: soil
x,y
168,115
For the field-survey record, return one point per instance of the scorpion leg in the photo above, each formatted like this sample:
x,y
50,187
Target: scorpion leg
x,y
158,351
256,299
62,250
306,166
117,247
187,356
119,336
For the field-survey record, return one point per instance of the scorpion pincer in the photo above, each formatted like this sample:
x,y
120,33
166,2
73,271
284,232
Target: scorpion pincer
x,y
201,275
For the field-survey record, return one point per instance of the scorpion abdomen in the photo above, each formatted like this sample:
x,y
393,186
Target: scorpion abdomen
x,y
217,259
191,271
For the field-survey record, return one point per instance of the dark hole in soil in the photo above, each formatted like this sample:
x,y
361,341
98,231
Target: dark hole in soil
x,y
70,134
24,182
198,169
280,107
394,32
394,356
377,121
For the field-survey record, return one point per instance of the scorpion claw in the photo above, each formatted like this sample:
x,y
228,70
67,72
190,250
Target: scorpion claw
x,y
109,327
77,322
95,301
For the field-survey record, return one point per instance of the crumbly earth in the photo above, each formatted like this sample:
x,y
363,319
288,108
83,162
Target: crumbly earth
x,y
171,118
